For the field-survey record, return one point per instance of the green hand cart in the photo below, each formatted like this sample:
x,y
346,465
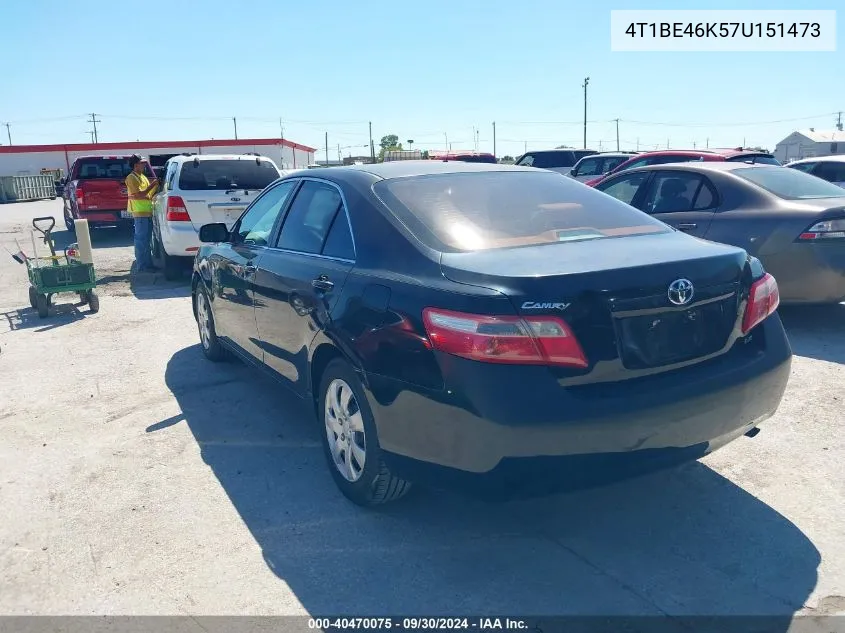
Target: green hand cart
x,y
58,273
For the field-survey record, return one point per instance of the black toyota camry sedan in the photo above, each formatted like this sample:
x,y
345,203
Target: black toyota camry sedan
x,y
490,327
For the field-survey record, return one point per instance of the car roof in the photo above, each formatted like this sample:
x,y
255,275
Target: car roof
x,y
840,158
610,155
702,166
201,157
405,168
560,149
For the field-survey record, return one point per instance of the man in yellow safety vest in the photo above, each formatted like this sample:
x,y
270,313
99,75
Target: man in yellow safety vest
x,y
140,191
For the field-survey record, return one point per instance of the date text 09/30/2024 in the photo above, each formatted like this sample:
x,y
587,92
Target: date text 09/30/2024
x,y
418,624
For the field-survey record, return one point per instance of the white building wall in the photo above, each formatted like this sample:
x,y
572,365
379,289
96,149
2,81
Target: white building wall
x,y
26,163
797,146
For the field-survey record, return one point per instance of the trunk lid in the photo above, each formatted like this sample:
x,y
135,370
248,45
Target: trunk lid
x,y
614,294
206,207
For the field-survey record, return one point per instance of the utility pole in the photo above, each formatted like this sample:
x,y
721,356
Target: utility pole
x,y
494,139
372,147
693,144
617,135
339,158
638,143
91,132
9,132
708,142
586,83
839,122
235,121
95,120
600,145
327,149
667,143
446,136
525,149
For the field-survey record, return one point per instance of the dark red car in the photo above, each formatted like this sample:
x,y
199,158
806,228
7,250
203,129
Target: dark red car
x,y
737,154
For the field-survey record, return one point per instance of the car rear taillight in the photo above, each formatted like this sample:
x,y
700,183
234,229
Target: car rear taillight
x,y
176,210
763,300
80,197
825,230
504,339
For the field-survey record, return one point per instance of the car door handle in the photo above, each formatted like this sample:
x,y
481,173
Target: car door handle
x,y
687,226
322,283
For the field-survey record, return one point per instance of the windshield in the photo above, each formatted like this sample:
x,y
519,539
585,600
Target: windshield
x,y
107,168
227,174
790,184
486,210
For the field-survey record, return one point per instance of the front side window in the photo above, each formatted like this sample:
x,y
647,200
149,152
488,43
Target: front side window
x,y
526,161
256,224
310,218
789,184
806,167
612,163
486,210
832,171
624,188
590,167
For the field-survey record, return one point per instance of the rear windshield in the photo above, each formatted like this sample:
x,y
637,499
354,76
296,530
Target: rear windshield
x,y
547,160
504,209
756,159
227,174
111,168
790,184
474,158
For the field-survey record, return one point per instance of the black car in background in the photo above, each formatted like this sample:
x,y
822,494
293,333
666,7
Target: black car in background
x,y
559,160
489,327
793,222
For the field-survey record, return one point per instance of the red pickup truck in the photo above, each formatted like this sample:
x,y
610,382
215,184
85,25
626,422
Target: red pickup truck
x,y
96,190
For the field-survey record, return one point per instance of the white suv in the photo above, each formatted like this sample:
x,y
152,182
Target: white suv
x,y
201,189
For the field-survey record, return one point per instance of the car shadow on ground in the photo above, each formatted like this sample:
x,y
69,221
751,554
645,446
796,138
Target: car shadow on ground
x,y
101,237
816,331
60,314
681,542
144,286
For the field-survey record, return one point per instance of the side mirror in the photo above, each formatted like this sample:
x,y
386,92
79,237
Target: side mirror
x,y
573,172
212,233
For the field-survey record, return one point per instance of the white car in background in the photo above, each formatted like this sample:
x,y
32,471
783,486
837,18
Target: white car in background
x,y
202,189
830,168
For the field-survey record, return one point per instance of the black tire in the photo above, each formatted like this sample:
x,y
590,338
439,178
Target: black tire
x,y
42,304
211,346
376,484
172,267
93,301
83,297
69,224
33,297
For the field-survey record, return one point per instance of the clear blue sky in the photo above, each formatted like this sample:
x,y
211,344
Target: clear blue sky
x,y
181,70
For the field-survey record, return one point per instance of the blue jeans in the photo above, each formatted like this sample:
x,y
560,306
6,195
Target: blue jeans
x,y
143,232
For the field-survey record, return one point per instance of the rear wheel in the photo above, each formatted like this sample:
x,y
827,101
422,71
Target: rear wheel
x,y
69,223
42,304
93,301
33,297
211,346
350,440
172,265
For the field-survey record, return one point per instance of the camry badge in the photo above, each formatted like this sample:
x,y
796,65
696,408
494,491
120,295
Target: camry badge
x,y
532,305
681,292
235,199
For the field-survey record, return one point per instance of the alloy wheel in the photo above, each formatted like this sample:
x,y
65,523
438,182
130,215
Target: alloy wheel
x,y
345,430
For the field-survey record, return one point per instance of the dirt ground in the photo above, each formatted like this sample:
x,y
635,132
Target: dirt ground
x,y
138,478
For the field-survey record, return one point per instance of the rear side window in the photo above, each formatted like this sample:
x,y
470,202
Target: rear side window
x,y
675,191
612,163
624,188
789,184
110,168
226,174
310,217
807,167
487,210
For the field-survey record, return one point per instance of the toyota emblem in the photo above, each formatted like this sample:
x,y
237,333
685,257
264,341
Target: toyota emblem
x,y
681,292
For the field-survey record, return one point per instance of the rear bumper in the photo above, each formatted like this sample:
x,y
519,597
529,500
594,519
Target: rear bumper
x,y
485,430
809,273
106,217
179,239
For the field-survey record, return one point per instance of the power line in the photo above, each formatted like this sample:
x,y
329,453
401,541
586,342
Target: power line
x,y
746,123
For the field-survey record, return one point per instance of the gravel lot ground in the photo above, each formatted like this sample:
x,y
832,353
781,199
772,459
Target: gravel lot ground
x,y
137,478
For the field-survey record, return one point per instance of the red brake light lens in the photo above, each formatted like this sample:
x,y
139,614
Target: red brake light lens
x,y
504,339
176,210
763,300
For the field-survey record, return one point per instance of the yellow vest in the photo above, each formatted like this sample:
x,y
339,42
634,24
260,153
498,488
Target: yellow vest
x,y
138,208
